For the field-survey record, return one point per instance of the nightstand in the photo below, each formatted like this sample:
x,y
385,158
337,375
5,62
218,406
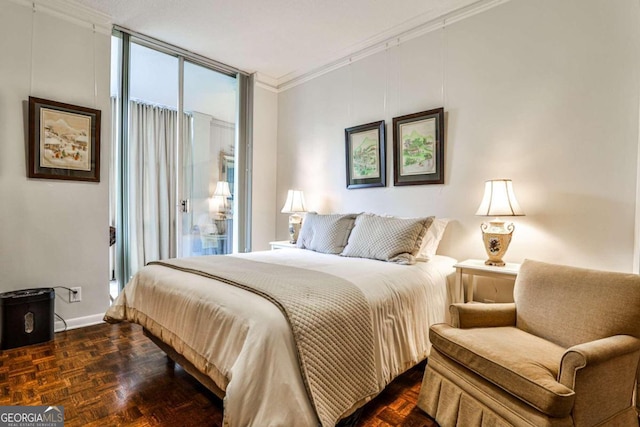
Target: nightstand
x,y
476,267
281,244
213,243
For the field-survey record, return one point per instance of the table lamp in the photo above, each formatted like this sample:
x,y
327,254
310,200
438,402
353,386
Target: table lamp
x,y
222,194
294,206
499,200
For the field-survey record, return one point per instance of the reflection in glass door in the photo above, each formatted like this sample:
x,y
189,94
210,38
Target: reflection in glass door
x,y
210,98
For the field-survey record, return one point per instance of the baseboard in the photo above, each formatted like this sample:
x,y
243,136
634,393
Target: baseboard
x,y
79,322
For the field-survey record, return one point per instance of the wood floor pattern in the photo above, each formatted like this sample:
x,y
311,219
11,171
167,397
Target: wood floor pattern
x,y
112,375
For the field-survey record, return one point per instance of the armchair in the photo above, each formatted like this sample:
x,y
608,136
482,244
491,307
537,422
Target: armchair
x,y
565,353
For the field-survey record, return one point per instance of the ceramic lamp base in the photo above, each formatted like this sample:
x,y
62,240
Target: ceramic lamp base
x,y
496,239
295,223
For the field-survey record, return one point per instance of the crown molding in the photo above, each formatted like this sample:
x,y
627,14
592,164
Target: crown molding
x,y
72,12
266,82
382,41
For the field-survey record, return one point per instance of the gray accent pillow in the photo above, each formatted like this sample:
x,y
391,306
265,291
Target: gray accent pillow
x,y
325,233
387,238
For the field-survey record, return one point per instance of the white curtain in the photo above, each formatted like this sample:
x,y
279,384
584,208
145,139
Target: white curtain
x,y
152,182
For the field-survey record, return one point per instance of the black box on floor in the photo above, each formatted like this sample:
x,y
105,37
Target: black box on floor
x,y
26,317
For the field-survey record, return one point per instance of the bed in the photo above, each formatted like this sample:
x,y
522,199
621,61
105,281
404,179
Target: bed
x,y
244,347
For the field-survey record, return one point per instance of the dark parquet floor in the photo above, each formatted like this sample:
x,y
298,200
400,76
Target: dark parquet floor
x,y
112,375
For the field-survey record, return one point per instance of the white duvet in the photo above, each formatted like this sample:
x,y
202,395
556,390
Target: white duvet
x,y
243,342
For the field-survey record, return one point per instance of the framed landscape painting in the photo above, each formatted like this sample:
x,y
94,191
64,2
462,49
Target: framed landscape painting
x,y
418,148
64,141
365,155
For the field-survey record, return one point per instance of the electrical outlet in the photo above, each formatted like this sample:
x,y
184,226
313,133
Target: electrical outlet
x,y
77,296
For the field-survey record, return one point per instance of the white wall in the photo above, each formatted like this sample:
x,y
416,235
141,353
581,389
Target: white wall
x,y
265,136
52,232
542,92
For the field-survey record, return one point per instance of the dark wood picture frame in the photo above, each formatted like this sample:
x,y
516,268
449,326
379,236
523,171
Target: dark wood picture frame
x,y
365,155
64,141
418,148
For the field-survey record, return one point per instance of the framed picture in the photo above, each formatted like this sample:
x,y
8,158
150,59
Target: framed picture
x,y
64,141
418,148
365,152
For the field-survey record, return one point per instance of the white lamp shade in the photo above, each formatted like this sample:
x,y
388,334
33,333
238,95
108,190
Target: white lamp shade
x,y
216,204
499,199
295,202
222,189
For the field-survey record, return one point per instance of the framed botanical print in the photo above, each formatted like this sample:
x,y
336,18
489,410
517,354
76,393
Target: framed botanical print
x,y
418,148
365,155
64,141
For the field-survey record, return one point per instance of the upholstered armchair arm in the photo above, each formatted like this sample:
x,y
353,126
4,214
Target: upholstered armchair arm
x,y
603,374
482,315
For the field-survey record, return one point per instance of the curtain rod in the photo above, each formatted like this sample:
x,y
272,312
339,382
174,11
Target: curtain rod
x,y
187,54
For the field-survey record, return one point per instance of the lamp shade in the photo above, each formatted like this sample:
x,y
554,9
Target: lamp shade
x,y
294,203
217,204
222,189
499,199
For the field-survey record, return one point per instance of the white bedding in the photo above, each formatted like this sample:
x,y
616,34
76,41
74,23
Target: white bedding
x,y
243,342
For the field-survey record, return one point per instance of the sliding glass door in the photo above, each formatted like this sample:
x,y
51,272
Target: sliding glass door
x,y
177,141
210,98
152,140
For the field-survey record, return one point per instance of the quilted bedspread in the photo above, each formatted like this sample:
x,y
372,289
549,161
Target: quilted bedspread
x,y
330,320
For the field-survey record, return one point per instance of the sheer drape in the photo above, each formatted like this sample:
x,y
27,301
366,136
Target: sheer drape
x,y
151,177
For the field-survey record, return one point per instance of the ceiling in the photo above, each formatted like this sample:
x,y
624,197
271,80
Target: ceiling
x,y
279,39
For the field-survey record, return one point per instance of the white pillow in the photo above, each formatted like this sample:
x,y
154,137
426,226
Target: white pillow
x,y
432,239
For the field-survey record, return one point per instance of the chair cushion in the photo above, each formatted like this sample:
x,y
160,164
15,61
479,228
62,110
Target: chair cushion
x,y
520,363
